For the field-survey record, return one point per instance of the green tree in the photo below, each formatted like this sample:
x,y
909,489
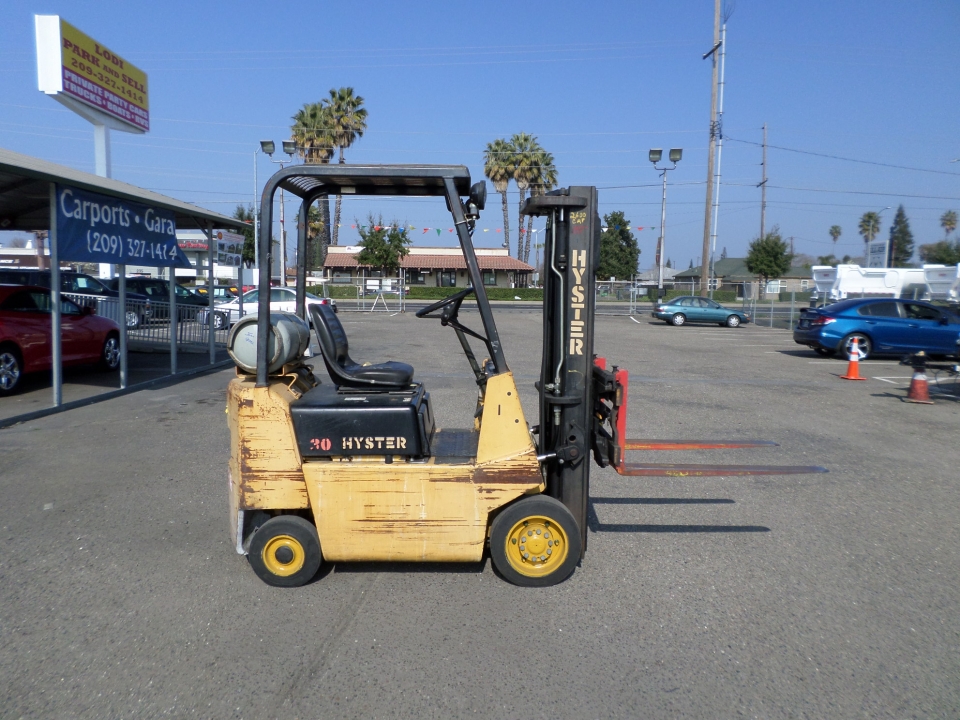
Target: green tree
x,y
498,167
383,247
826,259
869,226
901,240
723,253
348,121
948,221
245,213
544,180
835,232
942,253
619,251
768,257
525,150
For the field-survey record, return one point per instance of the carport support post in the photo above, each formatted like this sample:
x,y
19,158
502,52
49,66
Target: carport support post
x,y
301,309
211,254
122,300
57,348
173,321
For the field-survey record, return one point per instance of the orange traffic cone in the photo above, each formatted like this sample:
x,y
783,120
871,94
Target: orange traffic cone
x,y
919,391
853,367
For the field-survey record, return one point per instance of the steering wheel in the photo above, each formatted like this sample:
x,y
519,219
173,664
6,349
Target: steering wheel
x,y
453,300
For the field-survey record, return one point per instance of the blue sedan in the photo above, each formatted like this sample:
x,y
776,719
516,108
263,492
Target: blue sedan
x,y
881,326
681,310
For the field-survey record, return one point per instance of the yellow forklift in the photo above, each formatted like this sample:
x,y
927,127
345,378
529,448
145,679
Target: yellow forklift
x,y
353,467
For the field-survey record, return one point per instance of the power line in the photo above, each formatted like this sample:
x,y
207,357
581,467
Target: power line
x,y
854,192
845,159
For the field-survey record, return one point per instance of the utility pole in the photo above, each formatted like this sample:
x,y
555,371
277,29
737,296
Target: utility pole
x,y
763,183
704,270
716,197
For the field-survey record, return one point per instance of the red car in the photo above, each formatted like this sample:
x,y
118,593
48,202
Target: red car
x,y
25,335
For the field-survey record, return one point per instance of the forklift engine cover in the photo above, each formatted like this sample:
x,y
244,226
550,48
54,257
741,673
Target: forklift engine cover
x,y
330,423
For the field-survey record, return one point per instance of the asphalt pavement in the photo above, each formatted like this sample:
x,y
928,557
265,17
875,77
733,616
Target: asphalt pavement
x,y
812,596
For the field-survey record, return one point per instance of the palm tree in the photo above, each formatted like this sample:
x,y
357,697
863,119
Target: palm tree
x,y
948,221
544,180
348,120
498,167
525,149
869,226
315,143
835,233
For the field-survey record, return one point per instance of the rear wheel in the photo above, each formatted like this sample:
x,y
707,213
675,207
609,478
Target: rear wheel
x,y
11,369
285,551
733,321
863,345
133,320
110,355
219,321
678,319
535,542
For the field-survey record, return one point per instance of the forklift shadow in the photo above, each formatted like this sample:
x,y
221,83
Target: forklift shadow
x,y
595,526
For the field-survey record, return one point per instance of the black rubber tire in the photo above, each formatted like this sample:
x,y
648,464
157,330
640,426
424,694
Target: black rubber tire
x,y
110,354
303,533
219,321
864,344
733,321
12,369
529,507
824,352
678,319
133,320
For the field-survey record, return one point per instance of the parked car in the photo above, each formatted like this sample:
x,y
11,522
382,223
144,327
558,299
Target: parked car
x,y
281,300
221,293
25,332
882,326
159,293
684,309
82,287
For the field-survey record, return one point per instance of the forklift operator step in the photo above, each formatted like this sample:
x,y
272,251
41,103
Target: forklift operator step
x,y
344,371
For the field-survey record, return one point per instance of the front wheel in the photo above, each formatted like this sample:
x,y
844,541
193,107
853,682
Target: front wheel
x,y
110,355
678,319
733,321
133,320
864,345
285,551
535,542
219,321
11,370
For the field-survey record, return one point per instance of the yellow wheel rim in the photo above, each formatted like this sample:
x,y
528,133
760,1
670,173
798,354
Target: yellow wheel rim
x,y
283,555
536,546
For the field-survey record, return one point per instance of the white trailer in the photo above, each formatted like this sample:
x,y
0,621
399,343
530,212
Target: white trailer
x,y
943,282
852,281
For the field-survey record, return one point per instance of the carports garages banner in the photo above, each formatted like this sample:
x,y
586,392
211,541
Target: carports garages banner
x,y
101,229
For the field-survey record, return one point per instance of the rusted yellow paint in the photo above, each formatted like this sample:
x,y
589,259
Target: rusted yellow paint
x,y
503,430
414,512
366,508
264,460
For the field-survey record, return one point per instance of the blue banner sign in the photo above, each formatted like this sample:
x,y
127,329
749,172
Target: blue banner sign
x,y
101,229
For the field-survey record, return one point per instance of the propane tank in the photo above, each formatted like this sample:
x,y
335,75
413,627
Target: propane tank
x,y
288,339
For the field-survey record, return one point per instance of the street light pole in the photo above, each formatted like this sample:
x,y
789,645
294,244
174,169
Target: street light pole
x,y
675,155
289,147
886,251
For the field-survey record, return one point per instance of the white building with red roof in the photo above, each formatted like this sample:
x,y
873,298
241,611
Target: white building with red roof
x,y
431,266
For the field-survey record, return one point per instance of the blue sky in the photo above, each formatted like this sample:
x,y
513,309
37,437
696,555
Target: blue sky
x,y
598,84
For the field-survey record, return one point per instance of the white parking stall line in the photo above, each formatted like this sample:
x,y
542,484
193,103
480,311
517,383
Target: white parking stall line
x,y
890,379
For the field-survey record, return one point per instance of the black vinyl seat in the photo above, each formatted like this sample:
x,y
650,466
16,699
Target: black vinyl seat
x,y
344,371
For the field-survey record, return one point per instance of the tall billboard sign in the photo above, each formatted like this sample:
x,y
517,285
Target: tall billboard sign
x,y
89,78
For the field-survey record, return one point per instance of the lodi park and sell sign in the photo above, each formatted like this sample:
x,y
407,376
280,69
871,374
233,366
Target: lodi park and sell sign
x,y
72,66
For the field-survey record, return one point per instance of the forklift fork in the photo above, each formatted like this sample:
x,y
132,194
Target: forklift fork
x,y
610,443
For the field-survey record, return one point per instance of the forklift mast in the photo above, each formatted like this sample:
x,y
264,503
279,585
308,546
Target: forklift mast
x,y
571,255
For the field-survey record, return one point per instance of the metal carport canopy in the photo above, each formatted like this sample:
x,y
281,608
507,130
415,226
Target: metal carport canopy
x,y
25,195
